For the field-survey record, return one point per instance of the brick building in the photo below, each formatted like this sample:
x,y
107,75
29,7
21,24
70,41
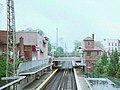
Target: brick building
x,y
30,44
90,53
3,41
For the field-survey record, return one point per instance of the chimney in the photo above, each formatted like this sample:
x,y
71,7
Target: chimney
x,y
93,36
21,40
21,46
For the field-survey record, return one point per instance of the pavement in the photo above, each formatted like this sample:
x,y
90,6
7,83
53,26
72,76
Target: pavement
x,y
81,80
36,83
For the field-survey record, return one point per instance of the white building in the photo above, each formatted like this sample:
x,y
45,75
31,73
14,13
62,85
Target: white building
x,y
111,44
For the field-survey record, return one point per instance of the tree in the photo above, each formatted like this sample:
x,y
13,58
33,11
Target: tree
x,y
114,59
98,67
77,44
101,65
3,66
104,59
59,52
105,68
98,44
111,70
118,70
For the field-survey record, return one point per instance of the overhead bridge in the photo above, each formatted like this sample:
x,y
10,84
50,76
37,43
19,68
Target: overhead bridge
x,y
76,61
67,59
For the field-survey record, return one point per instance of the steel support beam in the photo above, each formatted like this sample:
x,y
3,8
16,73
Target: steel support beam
x,y
11,40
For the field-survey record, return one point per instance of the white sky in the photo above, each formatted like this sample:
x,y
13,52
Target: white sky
x,y
75,19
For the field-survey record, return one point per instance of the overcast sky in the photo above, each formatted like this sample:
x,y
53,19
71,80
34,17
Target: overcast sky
x,y
75,19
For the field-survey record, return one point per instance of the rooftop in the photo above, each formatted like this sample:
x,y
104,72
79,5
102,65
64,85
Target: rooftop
x,y
88,38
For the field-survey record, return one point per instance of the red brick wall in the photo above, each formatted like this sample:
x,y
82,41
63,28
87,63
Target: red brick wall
x,y
89,44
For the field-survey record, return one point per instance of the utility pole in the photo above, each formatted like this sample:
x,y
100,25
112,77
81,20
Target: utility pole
x,y
11,40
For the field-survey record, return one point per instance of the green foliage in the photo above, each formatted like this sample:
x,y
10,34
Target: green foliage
x,y
114,58
98,44
99,62
105,68
118,70
113,69
2,66
77,44
104,59
118,73
59,52
99,68
108,67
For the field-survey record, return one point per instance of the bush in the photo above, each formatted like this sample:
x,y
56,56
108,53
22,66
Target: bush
x,y
3,66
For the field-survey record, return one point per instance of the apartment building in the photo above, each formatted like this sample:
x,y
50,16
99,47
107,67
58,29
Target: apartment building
x,y
30,44
111,44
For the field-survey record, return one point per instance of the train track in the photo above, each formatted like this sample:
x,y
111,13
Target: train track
x,y
63,80
67,82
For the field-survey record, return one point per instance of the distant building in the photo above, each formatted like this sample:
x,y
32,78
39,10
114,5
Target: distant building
x,y
30,44
111,44
3,42
90,53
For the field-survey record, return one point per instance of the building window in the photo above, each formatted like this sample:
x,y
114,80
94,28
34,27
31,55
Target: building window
x,y
109,44
112,44
44,43
115,44
88,53
88,43
97,53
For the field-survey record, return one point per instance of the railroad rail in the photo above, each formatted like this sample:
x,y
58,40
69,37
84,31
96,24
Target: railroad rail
x,y
63,80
